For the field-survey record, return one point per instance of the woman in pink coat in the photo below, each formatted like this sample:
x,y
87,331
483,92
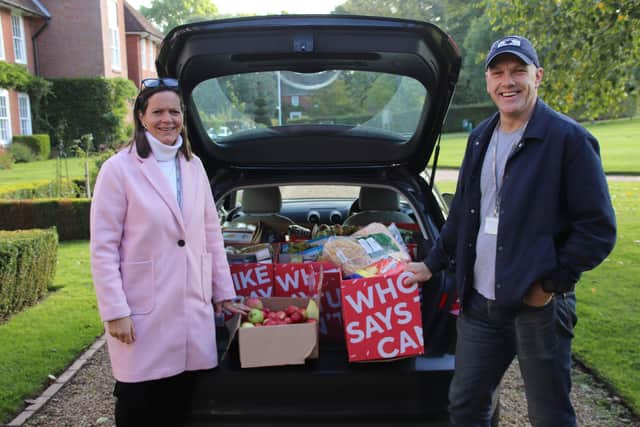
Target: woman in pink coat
x,y
158,263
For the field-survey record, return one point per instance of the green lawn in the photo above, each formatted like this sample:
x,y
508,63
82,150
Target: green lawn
x,y
45,169
618,146
608,331
46,338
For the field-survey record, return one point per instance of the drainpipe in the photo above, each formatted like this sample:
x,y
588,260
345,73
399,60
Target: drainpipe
x,y
36,56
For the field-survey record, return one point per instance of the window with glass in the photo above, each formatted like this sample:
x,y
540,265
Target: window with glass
x,y
152,55
143,54
114,32
5,120
375,102
19,47
24,109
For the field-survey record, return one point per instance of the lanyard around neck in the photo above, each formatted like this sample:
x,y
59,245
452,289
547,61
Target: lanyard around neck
x,y
495,164
178,183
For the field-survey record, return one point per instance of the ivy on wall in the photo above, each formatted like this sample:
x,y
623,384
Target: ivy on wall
x,y
17,77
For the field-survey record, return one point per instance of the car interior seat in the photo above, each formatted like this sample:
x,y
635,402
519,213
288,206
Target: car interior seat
x,y
263,204
378,205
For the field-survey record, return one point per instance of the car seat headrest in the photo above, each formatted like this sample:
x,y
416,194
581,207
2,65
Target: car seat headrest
x,y
263,200
378,199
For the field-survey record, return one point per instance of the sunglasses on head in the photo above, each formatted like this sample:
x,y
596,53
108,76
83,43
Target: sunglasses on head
x,y
166,82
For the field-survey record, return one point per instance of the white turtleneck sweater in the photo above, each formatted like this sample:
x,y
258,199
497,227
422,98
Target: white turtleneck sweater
x,y
165,155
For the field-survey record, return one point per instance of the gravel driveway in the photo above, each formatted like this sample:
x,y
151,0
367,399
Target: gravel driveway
x,y
86,400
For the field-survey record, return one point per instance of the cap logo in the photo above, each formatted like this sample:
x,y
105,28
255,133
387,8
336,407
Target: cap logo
x,y
508,42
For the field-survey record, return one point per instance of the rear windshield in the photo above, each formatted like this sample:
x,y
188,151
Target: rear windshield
x,y
246,104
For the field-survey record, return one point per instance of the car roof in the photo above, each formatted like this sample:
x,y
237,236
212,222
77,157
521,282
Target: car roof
x,y
418,50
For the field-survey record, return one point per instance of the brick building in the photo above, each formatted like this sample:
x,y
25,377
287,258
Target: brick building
x,y
71,38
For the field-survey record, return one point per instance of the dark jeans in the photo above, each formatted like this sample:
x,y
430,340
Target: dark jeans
x,y
163,402
489,337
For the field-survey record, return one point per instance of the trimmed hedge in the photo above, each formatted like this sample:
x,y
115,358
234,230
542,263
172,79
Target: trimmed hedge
x,y
40,144
79,106
39,189
69,216
474,113
27,267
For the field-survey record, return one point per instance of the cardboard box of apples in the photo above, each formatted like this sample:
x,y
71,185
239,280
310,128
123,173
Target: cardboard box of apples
x,y
279,331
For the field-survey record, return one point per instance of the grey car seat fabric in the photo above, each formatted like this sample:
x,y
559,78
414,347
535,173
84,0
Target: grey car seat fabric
x,y
263,204
378,205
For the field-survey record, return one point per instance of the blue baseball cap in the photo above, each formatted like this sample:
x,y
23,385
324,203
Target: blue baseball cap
x,y
515,45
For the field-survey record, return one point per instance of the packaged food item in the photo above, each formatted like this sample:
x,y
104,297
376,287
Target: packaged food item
x,y
347,253
325,230
382,267
260,253
379,242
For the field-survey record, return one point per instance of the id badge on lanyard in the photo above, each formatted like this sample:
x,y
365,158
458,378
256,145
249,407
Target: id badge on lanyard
x,y
491,225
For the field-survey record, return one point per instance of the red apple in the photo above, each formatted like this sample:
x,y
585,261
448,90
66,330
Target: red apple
x,y
297,317
291,309
253,303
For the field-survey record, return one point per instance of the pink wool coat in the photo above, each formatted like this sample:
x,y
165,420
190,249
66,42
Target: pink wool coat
x,y
158,264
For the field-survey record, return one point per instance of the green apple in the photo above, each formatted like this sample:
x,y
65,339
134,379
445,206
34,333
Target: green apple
x,y
313,312
255,315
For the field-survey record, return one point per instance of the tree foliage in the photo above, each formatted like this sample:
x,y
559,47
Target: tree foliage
x,y
170,13
471,88
590,50
431,11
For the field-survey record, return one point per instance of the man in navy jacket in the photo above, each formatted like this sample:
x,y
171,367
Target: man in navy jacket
x,y
531,212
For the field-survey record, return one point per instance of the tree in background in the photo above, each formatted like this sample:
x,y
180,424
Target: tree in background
x,y
456,17
590,50
431,11
167,14
471,87
260,111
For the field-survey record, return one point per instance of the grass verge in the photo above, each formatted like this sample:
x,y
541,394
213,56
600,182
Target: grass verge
x,y
46,338
607,338
617,139
42,170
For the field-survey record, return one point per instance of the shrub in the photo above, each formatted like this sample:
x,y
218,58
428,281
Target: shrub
x,y
69,216
27,267
21,153
98,161
473,113
40,144
79,106
40,189
6,159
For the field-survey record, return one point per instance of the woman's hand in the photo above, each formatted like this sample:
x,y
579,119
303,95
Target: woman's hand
x,y
122,329
421,273
234,307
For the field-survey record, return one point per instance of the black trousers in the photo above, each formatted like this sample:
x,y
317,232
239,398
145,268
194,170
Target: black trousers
x,y
162,402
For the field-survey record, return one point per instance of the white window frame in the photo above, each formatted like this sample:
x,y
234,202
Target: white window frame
x,y
19,45
143,54
5,118
114,35
2,54
152,55
24,112
295,100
